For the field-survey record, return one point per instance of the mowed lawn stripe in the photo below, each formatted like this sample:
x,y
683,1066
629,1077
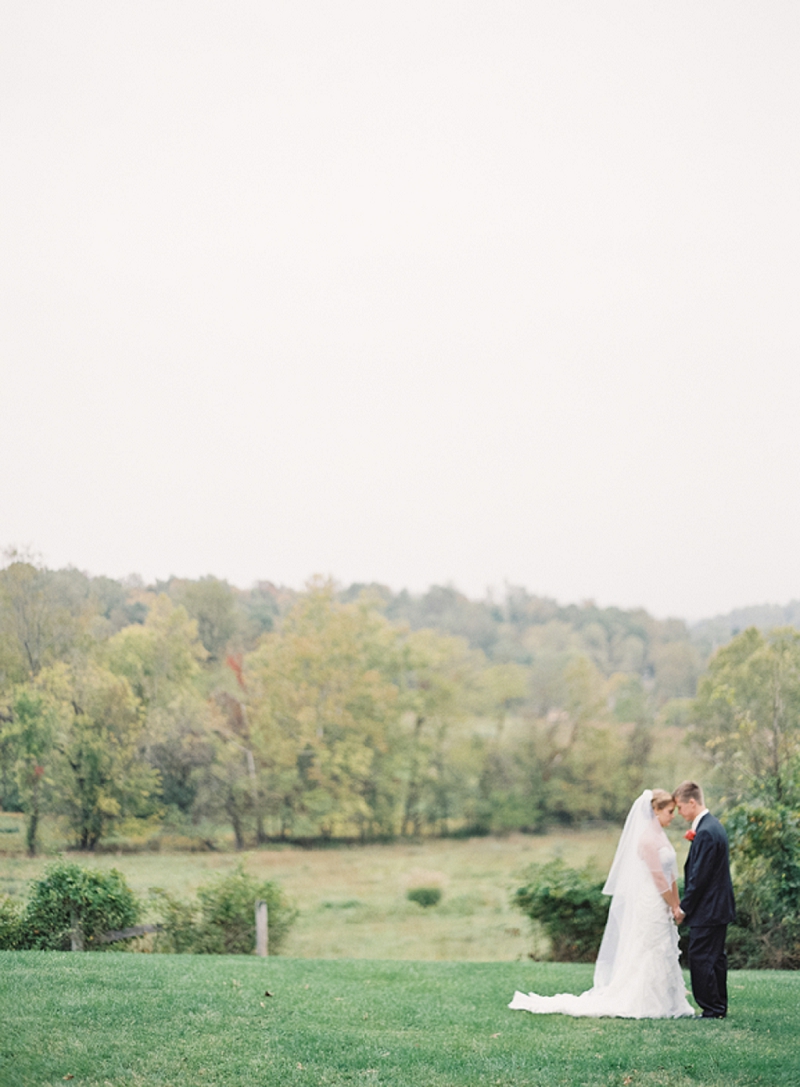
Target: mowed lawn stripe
x,y
125,1020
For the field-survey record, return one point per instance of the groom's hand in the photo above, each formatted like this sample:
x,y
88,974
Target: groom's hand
x,y
678,914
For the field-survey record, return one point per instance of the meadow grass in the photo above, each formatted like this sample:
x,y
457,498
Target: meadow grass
x,y
121,1020
353,901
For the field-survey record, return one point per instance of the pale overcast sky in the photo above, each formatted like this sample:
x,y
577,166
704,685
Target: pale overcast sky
x,y
414,292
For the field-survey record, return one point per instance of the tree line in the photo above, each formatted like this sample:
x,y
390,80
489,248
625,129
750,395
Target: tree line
x,y
346,712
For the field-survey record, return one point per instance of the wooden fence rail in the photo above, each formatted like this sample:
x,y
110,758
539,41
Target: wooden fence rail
x,y
77,938
78,943
126,933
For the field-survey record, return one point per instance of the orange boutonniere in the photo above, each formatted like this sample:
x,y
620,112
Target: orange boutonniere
x,y
689,835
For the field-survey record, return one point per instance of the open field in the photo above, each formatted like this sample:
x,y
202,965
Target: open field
x,y
352,899
174,1021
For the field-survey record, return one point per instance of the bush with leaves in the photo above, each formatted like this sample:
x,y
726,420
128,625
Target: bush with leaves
x,y
11,932
223,923
178,923
765,850
70,896
569,905
425,896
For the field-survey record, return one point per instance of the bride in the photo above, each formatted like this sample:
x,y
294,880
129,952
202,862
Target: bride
x,y
637,974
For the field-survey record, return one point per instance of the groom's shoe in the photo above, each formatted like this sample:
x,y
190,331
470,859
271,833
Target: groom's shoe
x,y
712,1015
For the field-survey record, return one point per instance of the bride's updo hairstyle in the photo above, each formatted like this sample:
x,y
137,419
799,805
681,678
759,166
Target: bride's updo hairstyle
x,y
660,799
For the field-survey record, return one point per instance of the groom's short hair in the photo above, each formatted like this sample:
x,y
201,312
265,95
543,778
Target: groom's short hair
x,y
688,790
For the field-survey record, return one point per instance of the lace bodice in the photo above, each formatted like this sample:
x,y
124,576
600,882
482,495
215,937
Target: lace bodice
x,y
658,855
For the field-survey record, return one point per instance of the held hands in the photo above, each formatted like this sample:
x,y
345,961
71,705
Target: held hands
x,y
678,914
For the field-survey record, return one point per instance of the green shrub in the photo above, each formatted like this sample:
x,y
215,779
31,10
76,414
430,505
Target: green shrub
x,y
70,895
223,921
425,896
11,933
569,905
765,851
178,920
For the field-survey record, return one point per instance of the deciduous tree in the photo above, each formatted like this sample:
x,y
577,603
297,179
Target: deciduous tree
x,y
323,710
747,715
100,776
31,730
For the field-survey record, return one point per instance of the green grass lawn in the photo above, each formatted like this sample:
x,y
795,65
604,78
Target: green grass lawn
x,y
124,1020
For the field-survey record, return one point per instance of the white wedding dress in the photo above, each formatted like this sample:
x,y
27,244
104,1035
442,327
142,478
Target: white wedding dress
x,y
637,974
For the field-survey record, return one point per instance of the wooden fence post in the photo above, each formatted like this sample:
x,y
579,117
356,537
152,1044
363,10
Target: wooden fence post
x,y
76,935
261,929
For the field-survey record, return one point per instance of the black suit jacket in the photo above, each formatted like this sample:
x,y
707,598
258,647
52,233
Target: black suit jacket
x,y
708,891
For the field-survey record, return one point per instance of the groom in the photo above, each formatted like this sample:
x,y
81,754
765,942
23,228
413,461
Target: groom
x,y
707,902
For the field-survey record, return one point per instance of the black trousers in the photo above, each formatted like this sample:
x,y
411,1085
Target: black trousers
x,y
708,966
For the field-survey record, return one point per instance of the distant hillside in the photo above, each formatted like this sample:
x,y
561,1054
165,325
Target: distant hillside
x,y
710,634
668,654
537,632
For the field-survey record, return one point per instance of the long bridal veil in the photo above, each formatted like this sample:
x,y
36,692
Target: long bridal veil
x,y
637,973
628,870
